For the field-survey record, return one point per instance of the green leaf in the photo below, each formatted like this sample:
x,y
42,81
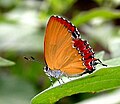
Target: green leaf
x,y
4,62
87,16
101,80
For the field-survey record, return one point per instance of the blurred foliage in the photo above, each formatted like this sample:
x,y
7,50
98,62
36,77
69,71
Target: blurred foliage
x,y
101,13
22,26
54,8
15,90
4,62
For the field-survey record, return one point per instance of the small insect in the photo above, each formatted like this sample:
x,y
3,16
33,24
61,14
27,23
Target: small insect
x,y
65,53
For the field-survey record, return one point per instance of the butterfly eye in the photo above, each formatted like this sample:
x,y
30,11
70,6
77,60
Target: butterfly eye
x,y
46,68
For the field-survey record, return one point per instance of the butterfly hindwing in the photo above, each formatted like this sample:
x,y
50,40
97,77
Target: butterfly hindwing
x,y
58,48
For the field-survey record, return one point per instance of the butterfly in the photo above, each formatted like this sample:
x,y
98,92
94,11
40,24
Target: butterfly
x,y
65,52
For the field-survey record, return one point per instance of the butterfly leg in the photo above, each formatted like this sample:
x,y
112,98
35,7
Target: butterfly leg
x,y
100,62
59,82
62,80
50,80
67,77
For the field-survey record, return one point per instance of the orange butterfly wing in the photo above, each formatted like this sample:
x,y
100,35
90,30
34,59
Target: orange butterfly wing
x,y
58,49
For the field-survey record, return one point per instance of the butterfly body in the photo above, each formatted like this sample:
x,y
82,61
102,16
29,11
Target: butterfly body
x,y
53,73
65,52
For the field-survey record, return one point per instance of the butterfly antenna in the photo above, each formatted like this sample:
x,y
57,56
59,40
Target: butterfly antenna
x,y
101,63
31,59
26,58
